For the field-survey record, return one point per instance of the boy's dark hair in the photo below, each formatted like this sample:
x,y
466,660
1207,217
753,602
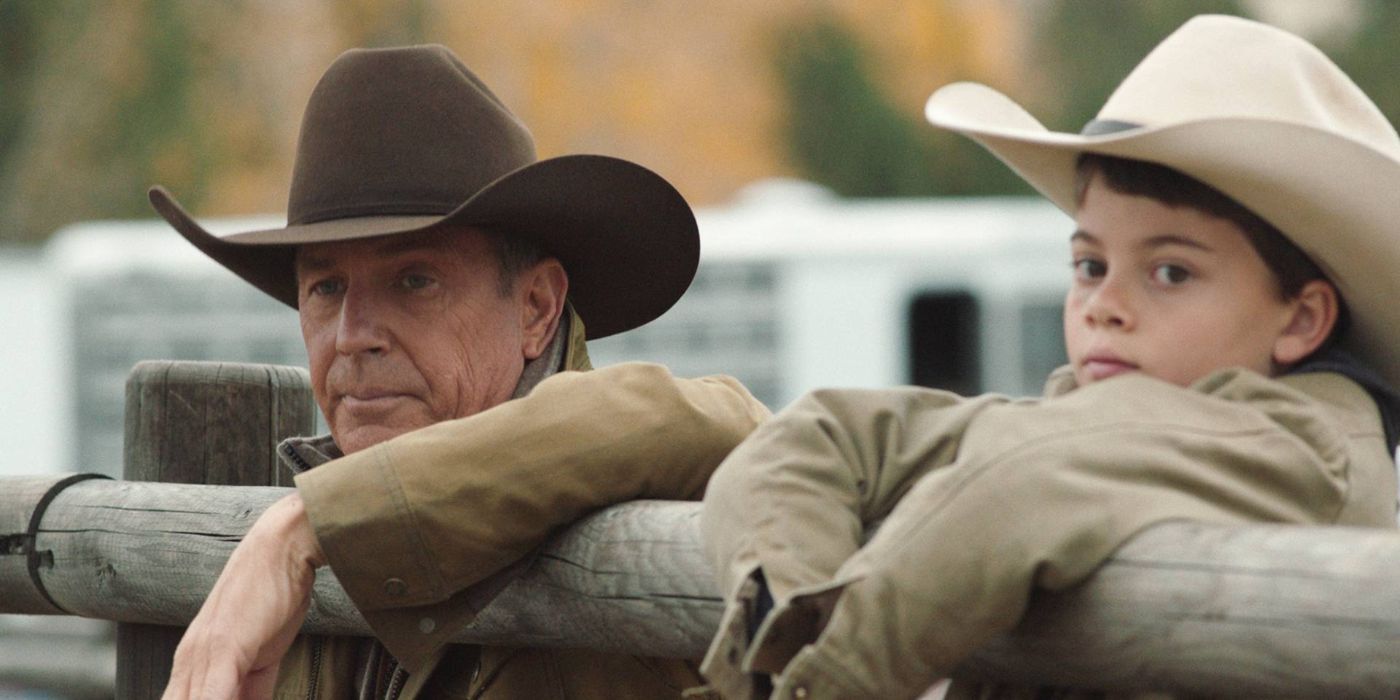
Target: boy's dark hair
x,y
1291,267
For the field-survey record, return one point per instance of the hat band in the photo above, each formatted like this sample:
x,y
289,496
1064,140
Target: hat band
x,y
375,209
1100,127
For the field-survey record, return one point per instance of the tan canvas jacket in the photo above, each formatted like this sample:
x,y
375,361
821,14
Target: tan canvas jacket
x,y
983,499
412,527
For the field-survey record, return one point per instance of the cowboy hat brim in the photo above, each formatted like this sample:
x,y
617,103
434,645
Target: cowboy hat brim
x,y
625,236
1333,196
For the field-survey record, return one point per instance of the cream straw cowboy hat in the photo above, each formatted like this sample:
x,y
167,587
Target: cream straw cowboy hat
x,y
397,141
1260,115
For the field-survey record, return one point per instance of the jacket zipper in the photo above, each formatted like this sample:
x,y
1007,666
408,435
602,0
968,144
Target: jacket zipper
x,y
396,682
314,684
291,454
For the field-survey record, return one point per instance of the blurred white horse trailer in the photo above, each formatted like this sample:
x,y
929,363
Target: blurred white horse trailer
x,y
797,289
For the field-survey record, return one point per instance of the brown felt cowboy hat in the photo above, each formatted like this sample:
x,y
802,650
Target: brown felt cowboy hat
x,y
402,140
1260,115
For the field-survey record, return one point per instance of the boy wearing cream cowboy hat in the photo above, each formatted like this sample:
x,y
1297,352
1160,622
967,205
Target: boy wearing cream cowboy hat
x,y
1232,345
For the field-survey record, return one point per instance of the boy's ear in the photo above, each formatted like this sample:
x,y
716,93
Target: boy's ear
x,y
1315,312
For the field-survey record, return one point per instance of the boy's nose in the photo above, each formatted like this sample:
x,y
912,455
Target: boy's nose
x,y
1110,306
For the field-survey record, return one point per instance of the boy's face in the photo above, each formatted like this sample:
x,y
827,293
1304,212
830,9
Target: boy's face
x,y
1172,292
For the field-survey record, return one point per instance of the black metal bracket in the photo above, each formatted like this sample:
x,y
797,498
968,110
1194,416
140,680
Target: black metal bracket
x,y
17,544
25,543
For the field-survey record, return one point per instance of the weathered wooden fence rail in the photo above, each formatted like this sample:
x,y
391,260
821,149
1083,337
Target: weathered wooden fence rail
x,y
1257,610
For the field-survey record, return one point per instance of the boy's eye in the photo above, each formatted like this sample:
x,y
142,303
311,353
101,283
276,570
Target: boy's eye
x,y
1089,269
1170,274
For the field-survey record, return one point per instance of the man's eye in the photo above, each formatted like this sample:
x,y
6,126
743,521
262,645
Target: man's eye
x,y
326,287
415,281
1089,269
1170,274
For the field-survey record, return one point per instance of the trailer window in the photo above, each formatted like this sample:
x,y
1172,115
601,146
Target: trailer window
x,y
943,343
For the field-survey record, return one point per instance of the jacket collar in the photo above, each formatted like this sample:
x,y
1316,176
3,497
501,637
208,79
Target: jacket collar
x,y
1387,400
1333,360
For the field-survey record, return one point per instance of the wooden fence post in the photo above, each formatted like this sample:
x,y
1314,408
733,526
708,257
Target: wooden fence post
x,y
202,423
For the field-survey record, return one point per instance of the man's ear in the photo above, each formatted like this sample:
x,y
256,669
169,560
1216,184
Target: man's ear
x,y
1315,312
542,288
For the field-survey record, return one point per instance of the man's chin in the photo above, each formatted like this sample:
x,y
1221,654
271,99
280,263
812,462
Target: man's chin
x,y
353,436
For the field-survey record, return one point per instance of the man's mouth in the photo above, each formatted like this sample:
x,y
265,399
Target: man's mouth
x,y
376,400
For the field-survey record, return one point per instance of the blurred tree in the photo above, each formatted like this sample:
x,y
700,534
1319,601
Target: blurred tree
x,y
370,23
1084,49
19,37
1369,54
843,132
100,100
110,110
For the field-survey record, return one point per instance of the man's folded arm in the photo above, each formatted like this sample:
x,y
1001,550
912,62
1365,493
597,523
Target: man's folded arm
x,y
416,519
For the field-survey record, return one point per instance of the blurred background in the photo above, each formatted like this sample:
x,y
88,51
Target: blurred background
x,y
845,241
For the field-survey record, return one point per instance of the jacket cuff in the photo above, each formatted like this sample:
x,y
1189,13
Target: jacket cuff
x,y
790,626
372,547
816,675
739,667
722,665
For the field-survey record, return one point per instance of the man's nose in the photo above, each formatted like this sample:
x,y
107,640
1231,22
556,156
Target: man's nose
x,y
361,327
1111,304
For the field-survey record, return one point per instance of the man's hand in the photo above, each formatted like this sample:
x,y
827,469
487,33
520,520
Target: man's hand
x,y
235,644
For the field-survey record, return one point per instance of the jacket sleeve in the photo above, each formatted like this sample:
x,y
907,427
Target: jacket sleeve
x,y
1036,495
409,525
793,502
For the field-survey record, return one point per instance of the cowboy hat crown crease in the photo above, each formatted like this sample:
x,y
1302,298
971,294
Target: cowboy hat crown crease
x,y
362,149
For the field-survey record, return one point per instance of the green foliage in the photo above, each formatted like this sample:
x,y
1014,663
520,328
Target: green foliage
x,y
844,133
158,111
1087,47
98,101
90,110
19,38
408,23
1370,54
842,130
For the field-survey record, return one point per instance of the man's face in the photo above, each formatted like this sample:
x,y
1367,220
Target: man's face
x,y
1172,292
406,331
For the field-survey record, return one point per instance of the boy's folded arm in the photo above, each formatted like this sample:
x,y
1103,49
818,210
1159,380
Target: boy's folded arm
x,y
955,563
796,497
794,500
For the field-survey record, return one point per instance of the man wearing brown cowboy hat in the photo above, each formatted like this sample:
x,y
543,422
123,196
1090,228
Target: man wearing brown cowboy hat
x,y
1233,203
446,281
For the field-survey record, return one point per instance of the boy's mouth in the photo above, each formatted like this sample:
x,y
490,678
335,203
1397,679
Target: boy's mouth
x,y
1104,365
